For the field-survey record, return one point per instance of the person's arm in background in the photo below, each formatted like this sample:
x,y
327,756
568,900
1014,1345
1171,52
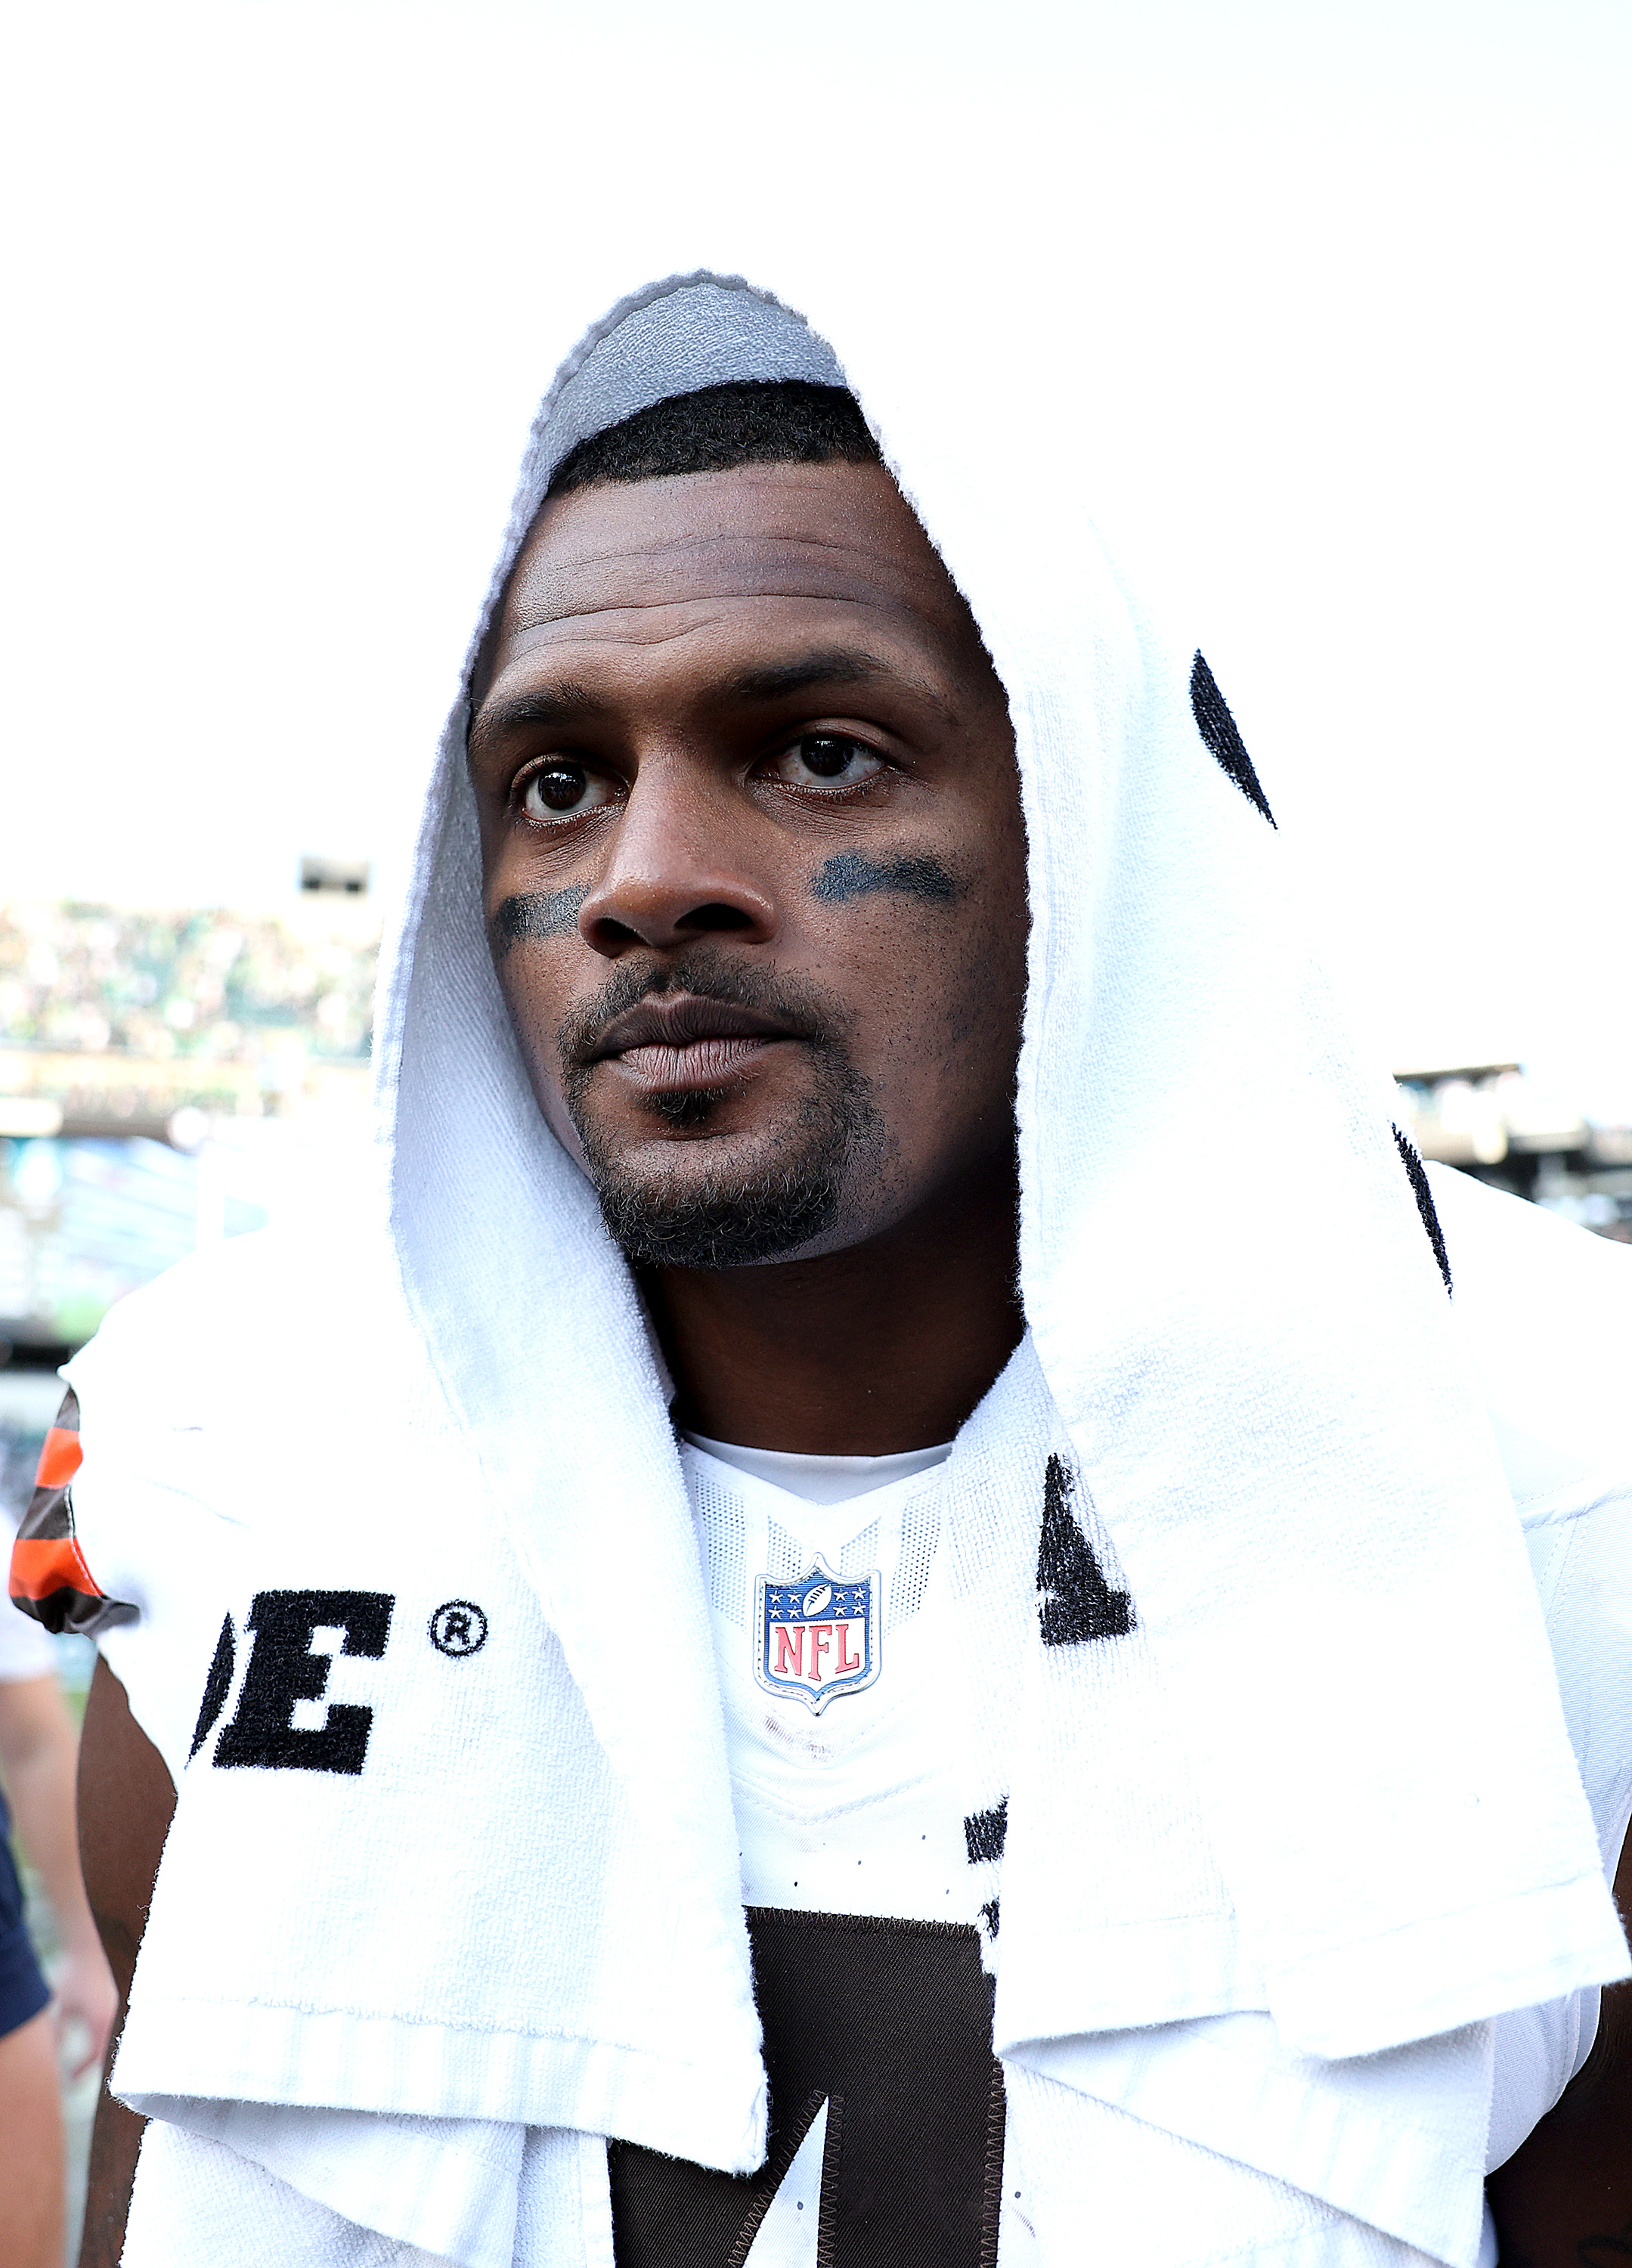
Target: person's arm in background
x,y
127,1800
39,1748
1564,2198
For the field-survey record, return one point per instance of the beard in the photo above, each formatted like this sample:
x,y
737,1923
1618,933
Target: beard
x,y
733,1216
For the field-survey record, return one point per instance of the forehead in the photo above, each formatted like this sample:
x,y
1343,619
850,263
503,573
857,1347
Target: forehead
x,y
712,557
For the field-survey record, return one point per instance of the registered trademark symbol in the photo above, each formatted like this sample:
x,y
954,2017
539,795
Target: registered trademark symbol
x,y
458,1628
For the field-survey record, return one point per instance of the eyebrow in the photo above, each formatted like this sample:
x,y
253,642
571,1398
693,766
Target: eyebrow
x,y
829,665
766,681
546,704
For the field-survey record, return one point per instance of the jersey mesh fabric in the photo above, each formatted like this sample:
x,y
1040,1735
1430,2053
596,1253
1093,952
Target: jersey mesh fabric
x,y
841,1811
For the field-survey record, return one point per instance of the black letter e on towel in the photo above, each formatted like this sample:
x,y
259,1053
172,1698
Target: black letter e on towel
x,y
283,1669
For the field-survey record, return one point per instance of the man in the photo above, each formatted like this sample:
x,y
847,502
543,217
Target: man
x,y
776,1485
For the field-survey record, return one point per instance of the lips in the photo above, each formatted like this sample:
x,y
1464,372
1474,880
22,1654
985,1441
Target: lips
x,y
671,1045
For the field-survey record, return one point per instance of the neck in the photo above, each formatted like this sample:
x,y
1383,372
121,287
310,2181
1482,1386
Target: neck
x,y
884,1346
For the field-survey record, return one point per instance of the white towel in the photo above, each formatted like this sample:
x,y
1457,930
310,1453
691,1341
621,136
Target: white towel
x,y
1270,1411
1395,2141
1345,1817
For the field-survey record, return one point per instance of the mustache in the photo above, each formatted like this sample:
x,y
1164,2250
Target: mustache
x,y
803,1010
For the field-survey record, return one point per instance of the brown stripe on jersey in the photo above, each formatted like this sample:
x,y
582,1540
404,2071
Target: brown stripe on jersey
x,y
67,1418
49,1512
889,2024
49,1579
42,1565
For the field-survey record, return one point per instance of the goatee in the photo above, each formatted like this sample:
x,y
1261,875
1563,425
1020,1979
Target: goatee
x,y
734,1217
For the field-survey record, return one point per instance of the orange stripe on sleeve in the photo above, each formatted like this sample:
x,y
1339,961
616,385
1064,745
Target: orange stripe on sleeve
x,y
55,1564
59,1459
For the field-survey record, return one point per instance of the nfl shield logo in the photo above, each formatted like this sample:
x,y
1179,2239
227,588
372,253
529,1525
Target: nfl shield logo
x,y
817,1636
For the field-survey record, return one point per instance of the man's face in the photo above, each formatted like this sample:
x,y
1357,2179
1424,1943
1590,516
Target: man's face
x,y
754,865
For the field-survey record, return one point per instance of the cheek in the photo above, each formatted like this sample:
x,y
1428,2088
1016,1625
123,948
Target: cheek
x,y
982,999
539,993
926,945
936,991
972,992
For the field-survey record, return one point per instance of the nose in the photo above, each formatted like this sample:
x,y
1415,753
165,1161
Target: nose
x,y
672,875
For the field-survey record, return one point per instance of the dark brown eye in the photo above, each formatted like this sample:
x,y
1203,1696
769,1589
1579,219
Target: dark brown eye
x,y
827,757
827,760
562,791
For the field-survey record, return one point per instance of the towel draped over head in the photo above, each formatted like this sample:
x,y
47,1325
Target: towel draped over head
x,y
1253,1357
1365,1827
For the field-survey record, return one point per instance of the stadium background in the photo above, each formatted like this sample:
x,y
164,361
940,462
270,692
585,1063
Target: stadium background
x,y
1334,284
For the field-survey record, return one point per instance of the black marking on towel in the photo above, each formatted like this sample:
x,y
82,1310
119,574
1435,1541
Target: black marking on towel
x,y
283,1670
458,1627
985,1832
217,1685
1078,1603
545,913
1410,1158
849,875
1219,728
988,1914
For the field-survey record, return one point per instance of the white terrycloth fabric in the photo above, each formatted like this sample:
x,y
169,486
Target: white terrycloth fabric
x,y
1105,2179
199,2201
1399,2134
1306,1830
1277,1427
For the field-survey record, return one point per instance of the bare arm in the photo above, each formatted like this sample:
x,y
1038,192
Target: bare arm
x,y
126,1803
38,1748
1564,2198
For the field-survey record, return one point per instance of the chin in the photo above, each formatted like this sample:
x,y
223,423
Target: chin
x,y
720,1221
720,1200
733,1179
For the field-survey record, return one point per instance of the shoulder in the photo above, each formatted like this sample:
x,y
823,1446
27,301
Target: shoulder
x,y
221,1397
235,1326
1544,1312
265,1403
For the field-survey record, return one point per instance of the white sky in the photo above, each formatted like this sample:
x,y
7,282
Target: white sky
x,y
1344,290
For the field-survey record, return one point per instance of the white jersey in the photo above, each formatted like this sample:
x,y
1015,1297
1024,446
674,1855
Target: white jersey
x,y
851,1811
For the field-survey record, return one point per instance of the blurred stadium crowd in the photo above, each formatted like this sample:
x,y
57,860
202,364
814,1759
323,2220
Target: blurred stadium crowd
x,y
161,1075
234,1006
